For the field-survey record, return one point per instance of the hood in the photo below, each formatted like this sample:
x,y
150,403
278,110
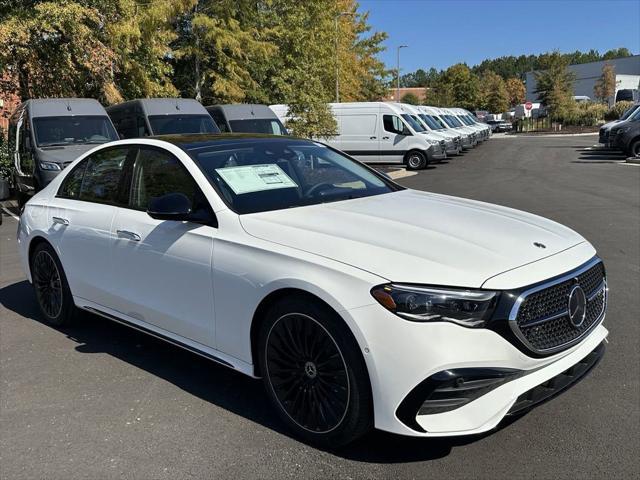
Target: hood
x,y
607,126
416,237
63,154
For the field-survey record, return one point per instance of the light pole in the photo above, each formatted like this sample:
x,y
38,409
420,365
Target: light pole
x,y
398,74
336,18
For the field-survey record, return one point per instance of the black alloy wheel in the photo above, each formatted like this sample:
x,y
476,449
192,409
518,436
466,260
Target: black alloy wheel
x,y
307,373
314,372
50,286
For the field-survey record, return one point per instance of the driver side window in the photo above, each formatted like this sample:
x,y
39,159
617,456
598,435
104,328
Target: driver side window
x,y
393,124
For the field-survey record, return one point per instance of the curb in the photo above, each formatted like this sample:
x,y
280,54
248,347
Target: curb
x,y
396,174
635,160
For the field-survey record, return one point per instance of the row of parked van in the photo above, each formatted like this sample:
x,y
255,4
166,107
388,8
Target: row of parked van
x,y
383,132
45,135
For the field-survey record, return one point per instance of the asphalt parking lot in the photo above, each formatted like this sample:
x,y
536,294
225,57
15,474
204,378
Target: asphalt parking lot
x,y
102,401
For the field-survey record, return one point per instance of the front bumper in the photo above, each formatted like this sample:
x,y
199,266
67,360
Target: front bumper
x,y
402,354
436,152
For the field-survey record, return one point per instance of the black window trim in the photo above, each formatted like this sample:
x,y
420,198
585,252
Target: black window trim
x,y
127,176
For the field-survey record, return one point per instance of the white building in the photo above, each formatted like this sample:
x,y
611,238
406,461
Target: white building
x,y
587,74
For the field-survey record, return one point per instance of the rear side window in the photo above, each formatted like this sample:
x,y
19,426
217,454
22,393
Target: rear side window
x,y
101,182
70,187
157,173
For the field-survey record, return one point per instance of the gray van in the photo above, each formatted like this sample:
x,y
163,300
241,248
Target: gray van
x,y
46,135
160,116
246,118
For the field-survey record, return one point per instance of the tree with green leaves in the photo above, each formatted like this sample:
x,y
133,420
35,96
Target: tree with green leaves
x,y
410,98
554,85
516,91
457,86
493,93
605,86
54,49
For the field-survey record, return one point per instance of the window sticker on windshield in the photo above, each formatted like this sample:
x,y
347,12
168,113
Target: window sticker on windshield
x,y
255,178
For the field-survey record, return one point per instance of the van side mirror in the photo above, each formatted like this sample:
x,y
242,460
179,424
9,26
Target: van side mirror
x,y
172,206
27,142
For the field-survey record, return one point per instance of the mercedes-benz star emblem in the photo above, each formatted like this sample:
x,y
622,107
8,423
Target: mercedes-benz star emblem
x,y
539,245
310,369
577,306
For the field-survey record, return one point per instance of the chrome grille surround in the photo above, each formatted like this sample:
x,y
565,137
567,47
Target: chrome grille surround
x,y
539,317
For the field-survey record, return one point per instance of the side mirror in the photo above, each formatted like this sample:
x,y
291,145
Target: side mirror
x,y
27,142
172,206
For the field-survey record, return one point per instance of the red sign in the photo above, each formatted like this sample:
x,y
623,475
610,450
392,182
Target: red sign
x,y
528,105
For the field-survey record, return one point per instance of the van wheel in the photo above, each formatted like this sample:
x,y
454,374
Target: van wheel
x,y
634,148
314,373
416,160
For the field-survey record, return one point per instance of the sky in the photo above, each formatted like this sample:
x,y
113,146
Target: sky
x,y
441,33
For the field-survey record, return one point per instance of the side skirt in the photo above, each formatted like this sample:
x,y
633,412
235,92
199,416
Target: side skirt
x,y
240,366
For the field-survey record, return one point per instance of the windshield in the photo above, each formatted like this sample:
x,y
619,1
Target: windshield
x,y
73,130
170,124
413,122
259,125
629,112
463,119
274,174
432,125
454,121
437,120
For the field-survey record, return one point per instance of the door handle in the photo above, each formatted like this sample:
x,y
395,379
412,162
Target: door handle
x,y
128,235
60,220
372,138
385,138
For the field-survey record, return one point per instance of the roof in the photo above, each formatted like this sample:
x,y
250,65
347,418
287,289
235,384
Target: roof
x,y
242,111
165,106
56,107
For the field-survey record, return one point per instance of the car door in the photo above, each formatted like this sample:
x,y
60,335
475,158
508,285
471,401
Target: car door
x,y
359,136
163,268
394,141
80,217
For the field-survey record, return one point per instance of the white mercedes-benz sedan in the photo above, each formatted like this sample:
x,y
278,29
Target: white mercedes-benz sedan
x,y
359,303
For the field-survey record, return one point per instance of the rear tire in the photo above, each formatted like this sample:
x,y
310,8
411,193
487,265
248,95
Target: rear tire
x,y
634,148
51,287
314,373
416,160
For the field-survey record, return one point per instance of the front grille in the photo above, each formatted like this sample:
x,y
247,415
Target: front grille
x,y
542,320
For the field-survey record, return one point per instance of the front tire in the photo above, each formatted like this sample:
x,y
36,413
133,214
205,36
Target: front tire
x,y
634,148
51,287
314,373
416,160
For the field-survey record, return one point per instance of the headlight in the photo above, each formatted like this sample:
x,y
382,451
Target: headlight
x,y
432,142
469,308
49,166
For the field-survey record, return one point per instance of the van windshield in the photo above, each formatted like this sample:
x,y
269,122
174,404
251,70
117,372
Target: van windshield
x,y
437,120
432,125
73,130
629,112
170,124
278,173
258,125
413,122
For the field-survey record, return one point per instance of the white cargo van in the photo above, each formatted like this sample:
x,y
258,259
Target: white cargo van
x,y
410,114
453,141
432,115
453,122
377,132
466,117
